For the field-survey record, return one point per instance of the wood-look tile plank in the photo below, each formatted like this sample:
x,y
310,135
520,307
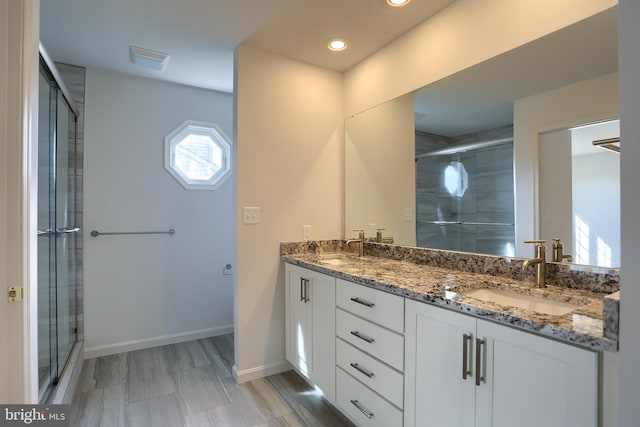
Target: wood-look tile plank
x,y
90,411
226,416
111,370
87,380
137,414
165,411
215,359
201,419
198,355
113,403
175,357
198,389
191,384
145,378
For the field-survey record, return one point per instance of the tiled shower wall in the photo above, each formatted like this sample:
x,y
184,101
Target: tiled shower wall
x,y
74,80
483,216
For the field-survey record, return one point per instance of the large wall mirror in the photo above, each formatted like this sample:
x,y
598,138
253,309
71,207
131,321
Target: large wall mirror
x,y
483,159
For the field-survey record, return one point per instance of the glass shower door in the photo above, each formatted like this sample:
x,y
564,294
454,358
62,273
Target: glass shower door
x,y
56,233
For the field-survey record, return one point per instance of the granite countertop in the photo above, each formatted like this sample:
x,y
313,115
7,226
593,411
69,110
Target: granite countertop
x,y
440,286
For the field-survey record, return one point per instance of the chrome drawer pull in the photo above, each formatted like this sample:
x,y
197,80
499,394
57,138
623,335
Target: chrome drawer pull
x,y
362,337
465,356
362,409
479,343
365,303
363,371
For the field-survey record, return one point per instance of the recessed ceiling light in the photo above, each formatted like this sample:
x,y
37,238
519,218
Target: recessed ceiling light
x,y
148,58
338,44
398,3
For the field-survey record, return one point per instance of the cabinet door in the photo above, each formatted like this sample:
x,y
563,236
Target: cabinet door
x,y
534,381
298,320
322,294
435,392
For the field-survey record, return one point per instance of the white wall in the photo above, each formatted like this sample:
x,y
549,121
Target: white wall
x,y
588,101
463,34
290,136
142,291
380,170
596,200
628,372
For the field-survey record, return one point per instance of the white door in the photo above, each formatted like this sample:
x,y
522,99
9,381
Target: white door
x,y
18,130
533,381
299,318
436,394
323,300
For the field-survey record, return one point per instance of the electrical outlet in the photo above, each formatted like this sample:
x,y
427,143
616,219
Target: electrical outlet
x,y
250,215
227,270
306,233
372,230
407,214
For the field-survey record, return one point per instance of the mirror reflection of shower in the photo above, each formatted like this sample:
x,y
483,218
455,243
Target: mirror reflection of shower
x,y
464,192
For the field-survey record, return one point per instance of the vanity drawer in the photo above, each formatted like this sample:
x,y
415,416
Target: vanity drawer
x,y
373,339
381,378
362,405
378,306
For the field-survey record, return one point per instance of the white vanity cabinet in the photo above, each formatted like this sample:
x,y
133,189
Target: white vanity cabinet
x,y
310,326
461,371
369,355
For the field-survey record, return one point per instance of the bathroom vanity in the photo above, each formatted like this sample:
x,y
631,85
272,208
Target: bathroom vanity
x,y
394,340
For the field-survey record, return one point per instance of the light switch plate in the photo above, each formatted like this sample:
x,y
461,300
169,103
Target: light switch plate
x,y
407,214
306,233
251,215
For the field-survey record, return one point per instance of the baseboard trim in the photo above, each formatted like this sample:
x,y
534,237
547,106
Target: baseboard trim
x,y
260,371
105,350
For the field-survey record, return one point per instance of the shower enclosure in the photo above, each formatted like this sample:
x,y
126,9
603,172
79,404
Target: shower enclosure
x,y
57,232
464,198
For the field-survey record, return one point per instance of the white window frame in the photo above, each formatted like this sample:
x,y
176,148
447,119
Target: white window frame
x,y
218,137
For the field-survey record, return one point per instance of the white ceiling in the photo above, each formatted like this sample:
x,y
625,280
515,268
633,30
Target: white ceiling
x,y
481,97
201,35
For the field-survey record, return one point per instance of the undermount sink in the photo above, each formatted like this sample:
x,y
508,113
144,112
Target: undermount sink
x,y
512,298
334,259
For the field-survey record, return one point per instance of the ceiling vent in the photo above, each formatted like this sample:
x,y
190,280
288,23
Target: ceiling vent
x,y
150,59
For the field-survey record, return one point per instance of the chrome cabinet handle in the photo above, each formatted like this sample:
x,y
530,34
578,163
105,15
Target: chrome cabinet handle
x,y
363,371
466,338
367,413
306,290
362,337
302,289
365,303
479,344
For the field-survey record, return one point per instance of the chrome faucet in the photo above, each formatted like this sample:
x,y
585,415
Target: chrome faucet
x,y
381,239
540,261
359,240
558,252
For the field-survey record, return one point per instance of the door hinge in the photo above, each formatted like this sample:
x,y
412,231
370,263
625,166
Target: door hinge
x,y
15,293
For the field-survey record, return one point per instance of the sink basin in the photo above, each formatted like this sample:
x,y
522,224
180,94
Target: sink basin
x,y
334,259
511,298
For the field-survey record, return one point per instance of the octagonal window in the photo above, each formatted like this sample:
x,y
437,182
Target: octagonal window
x,y
197,155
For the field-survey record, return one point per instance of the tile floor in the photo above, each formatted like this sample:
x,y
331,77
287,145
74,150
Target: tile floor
x,y
190,384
